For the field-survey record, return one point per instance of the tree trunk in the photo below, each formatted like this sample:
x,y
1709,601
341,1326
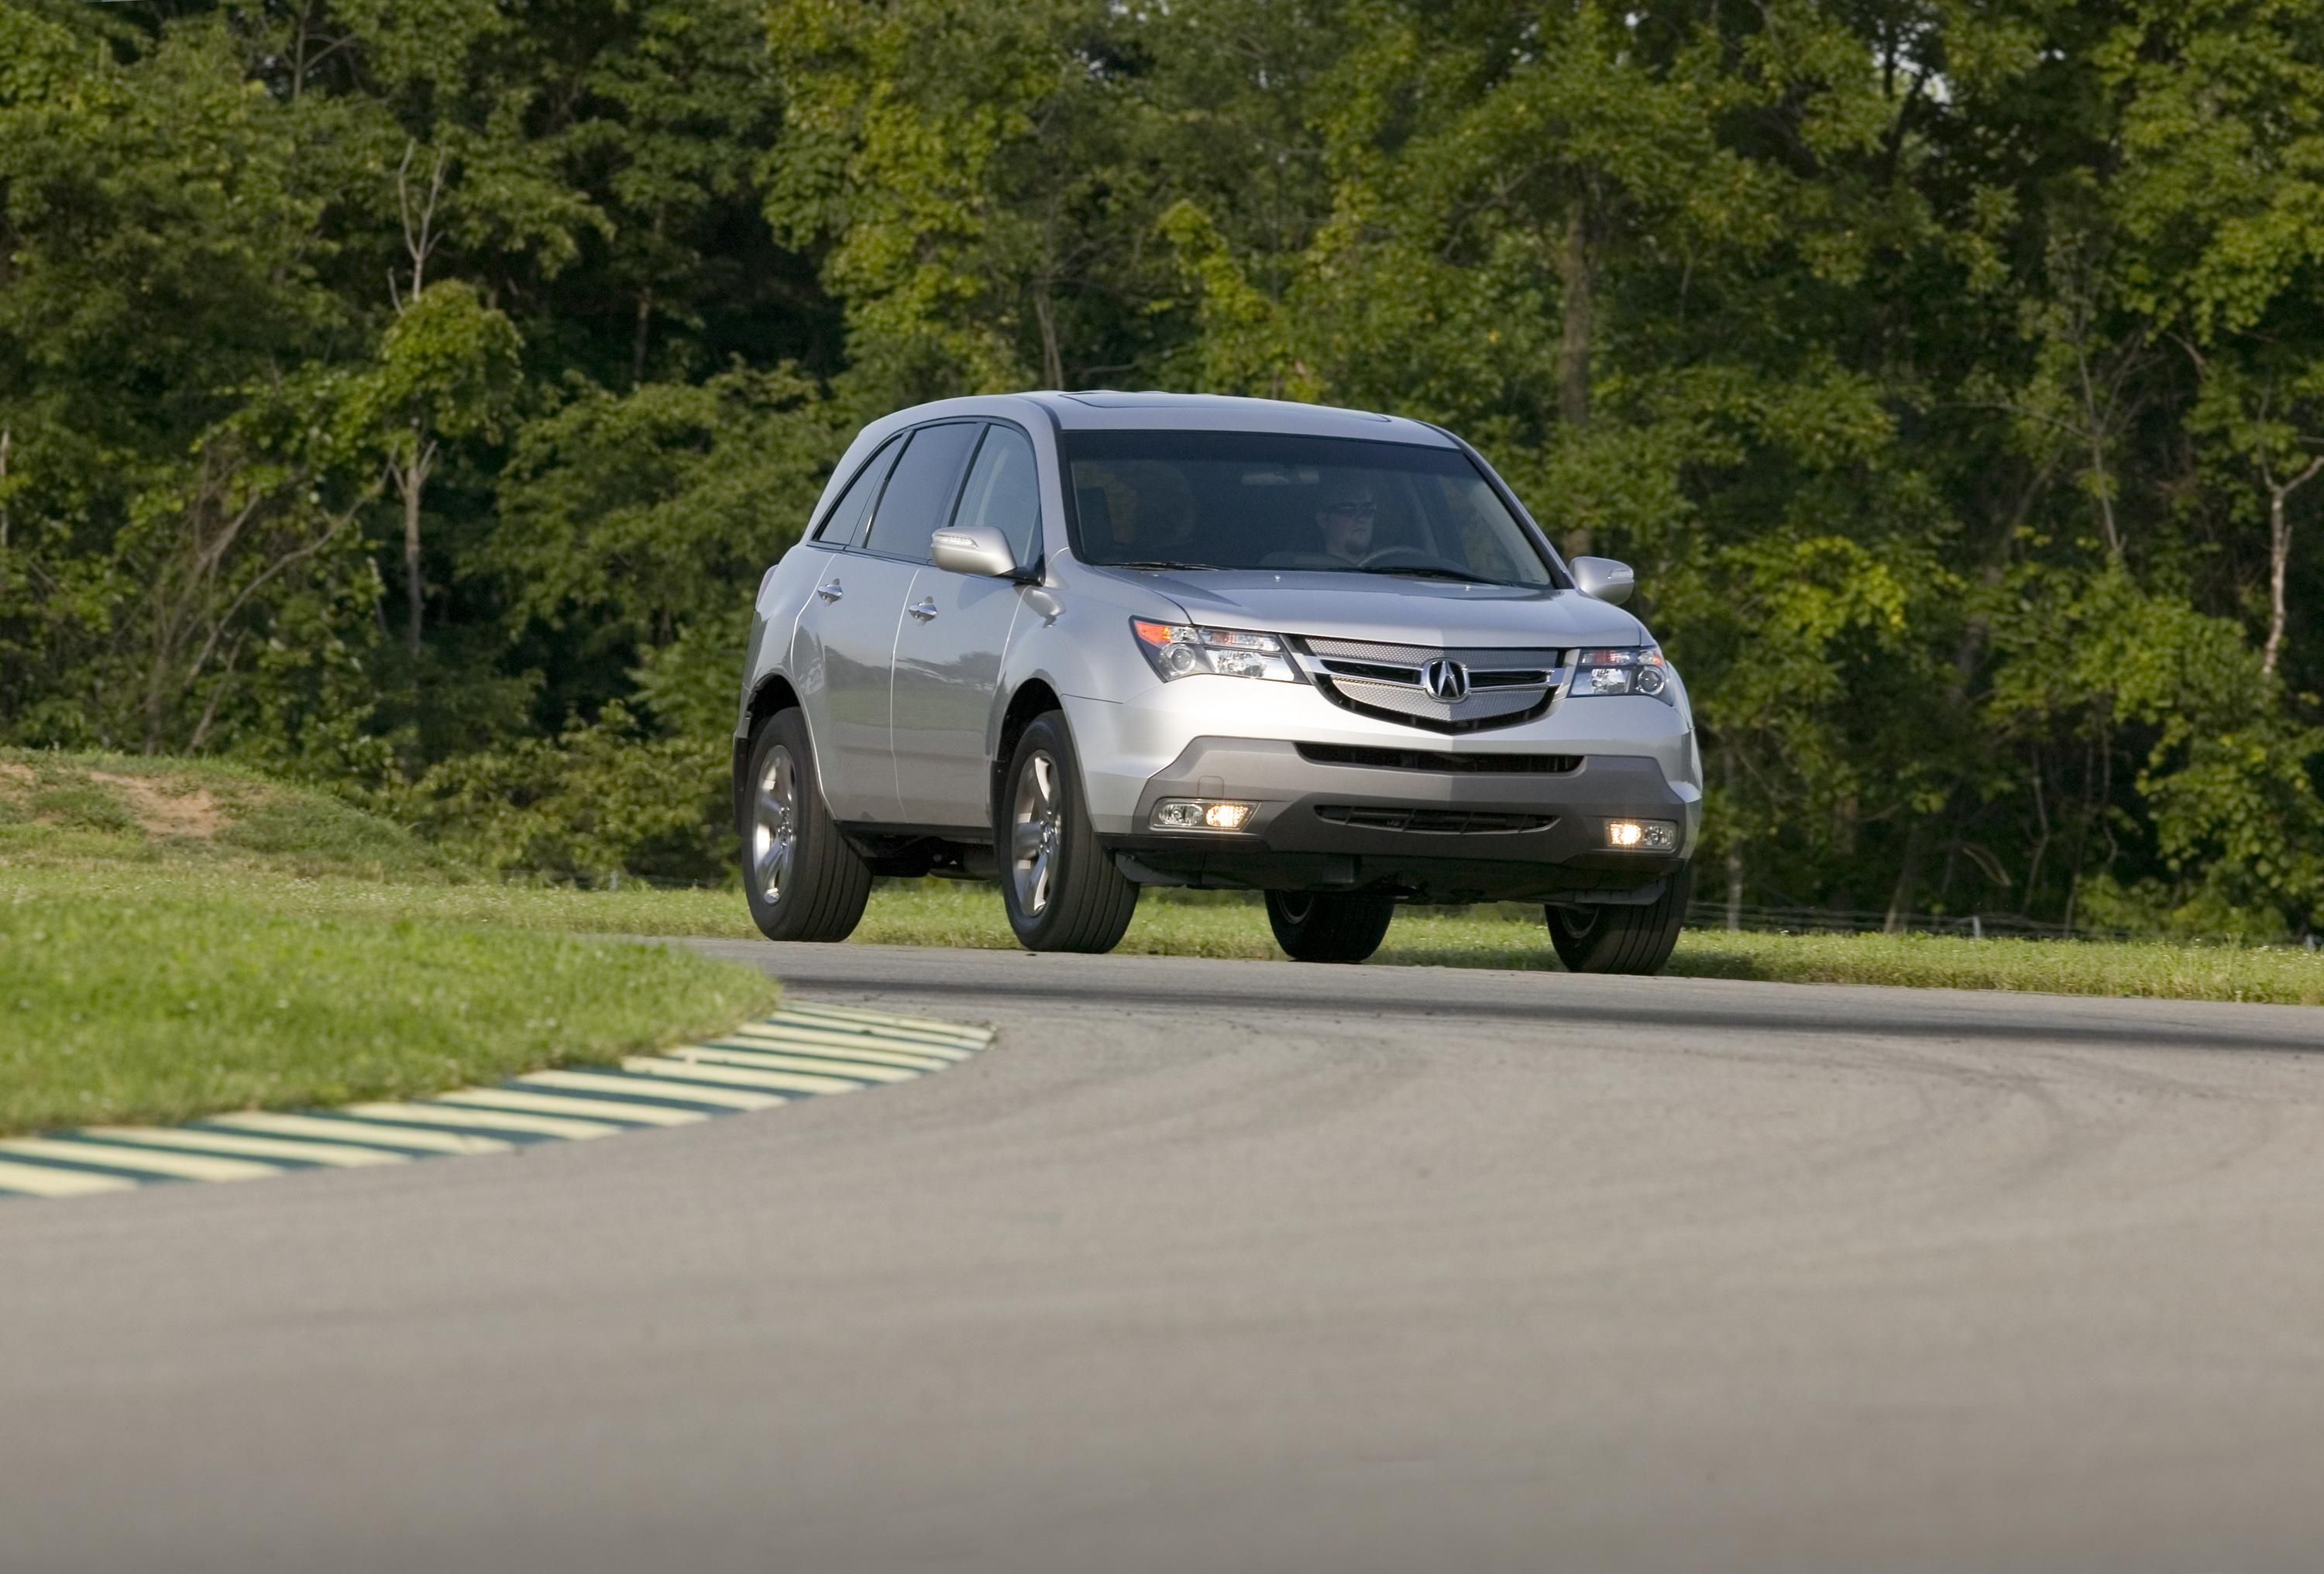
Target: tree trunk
x,y
638,345
1900,901
412,481
1734,854
1053,354
413,590
1574,283
2279,556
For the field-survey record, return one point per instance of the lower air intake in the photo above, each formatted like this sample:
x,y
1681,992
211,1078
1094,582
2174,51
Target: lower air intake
x,y
1433,822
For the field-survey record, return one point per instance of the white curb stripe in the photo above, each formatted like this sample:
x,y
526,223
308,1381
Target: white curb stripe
x,y
362,1131
847,1047
951,1053
334,1154
36,1180
184,1166
803,1049
861,1070
587,1108
642,1088
689,1071
444,1114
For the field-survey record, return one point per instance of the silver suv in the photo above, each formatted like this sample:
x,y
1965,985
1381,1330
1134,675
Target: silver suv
x,y
1088,642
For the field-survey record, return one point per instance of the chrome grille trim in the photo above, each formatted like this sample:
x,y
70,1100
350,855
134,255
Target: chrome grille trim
x,y
1506,685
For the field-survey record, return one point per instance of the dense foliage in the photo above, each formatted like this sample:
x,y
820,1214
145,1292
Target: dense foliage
x,y
406,395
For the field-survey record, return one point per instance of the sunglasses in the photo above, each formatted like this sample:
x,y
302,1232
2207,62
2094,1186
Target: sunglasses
x,y
1352,511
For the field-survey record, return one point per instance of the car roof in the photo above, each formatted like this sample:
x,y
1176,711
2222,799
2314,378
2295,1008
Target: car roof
x,y
1113,409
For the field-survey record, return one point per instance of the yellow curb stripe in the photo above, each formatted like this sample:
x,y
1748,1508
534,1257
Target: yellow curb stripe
x,y
334,1154
689,1071
37,1181
587,1108
185,1167
440,1114
861,1070
648,1088
363,1131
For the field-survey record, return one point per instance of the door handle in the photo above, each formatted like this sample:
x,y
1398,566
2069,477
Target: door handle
x,y
830,592
925,610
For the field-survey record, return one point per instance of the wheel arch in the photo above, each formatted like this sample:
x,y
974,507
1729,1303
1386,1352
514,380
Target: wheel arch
x,y
774,693
1034,697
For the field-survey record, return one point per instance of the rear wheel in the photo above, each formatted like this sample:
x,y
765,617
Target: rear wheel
x,y
804,882
1328,926
1062,891
1622,939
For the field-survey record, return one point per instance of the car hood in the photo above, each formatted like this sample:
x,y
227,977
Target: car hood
x,y
1391,609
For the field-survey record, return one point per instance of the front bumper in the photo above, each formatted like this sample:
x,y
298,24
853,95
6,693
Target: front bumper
x,y
1322,822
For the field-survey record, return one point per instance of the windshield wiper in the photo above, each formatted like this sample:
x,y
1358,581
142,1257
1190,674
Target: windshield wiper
x,y
1422,572
1154,563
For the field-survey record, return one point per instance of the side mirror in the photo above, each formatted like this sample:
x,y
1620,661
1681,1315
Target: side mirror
x,y
1604,578
973,550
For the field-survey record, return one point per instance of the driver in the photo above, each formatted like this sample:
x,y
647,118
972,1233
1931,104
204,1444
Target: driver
x,y
1345,518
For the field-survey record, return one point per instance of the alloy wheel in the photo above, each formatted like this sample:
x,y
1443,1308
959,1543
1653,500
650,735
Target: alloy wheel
x,y
774,823
1035,828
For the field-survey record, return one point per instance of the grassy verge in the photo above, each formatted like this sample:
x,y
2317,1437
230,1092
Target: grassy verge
x,y
175,942
936,912
178,939
197,1001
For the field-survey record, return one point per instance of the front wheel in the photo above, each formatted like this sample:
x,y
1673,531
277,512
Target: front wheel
x,y
804,882
1622,939
1062,891
1328,926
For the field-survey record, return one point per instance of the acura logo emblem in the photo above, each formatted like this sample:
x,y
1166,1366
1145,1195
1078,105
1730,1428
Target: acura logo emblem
x,y
1445,680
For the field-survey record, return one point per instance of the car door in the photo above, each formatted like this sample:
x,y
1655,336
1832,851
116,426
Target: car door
x,y
862,601
840,652
949,646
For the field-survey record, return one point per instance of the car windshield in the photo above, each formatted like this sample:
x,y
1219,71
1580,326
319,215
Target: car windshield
x,y
1255,500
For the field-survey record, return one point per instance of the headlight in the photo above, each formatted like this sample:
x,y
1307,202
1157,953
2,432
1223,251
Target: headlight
x,y
1178,650
1638,669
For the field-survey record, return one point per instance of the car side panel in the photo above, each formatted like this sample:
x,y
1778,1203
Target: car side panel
x,y
948,667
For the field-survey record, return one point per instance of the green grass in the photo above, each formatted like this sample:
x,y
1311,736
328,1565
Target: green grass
x,y
127,809
1172,924
178,941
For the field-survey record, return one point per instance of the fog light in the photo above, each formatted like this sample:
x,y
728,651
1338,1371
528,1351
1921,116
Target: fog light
x,y
1642,835
1199,814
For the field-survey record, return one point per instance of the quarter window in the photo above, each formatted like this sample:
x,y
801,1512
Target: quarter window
x,y
844,525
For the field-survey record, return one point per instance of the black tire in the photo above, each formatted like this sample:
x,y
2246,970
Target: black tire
x,y
1619,939
1328,926
802,879
1062,890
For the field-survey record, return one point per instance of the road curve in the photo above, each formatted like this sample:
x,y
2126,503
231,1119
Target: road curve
x,y
1252,1266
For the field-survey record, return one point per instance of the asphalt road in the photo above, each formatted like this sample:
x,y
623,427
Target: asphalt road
x,y
1238,1266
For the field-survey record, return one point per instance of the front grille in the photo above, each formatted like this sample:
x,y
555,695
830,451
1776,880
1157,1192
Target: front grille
x,y
1506,687
1434,759
1433,822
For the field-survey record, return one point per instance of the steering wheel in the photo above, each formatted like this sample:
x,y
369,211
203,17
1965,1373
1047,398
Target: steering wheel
x,y
1409,557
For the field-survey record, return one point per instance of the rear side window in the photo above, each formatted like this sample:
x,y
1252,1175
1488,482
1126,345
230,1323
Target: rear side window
x,y
1004,490
844,525
920,496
